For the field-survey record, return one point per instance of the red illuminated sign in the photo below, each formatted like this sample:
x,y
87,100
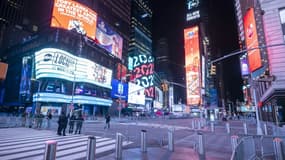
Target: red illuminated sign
x,y
70,15
251,39
192,63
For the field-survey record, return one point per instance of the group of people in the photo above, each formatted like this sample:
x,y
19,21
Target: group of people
x,y
73,120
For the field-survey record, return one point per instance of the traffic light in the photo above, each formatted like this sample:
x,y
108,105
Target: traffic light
x,y
213,69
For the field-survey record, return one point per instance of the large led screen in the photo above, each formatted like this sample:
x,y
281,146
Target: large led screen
x,y
56,63
143,73
251,39
70,15
192,63
108,39
136,94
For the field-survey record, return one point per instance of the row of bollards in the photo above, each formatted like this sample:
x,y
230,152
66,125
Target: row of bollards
x,y
50,149
277,143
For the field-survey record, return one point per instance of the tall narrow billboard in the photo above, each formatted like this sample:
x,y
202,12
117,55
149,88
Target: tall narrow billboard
x,y
251,39
192,63
71,15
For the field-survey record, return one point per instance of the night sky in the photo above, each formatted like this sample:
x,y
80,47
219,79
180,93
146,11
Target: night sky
x,y
169,22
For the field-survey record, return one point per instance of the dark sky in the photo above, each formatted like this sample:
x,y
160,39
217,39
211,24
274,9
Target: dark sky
x,y
168,22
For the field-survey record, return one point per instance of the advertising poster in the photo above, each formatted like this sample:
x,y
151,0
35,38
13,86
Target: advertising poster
x,y
119,89
192,63
3,70
251,39
25,85
121,71
71,15
108,39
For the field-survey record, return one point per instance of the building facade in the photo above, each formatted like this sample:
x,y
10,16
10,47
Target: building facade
x,y
264,18
67,66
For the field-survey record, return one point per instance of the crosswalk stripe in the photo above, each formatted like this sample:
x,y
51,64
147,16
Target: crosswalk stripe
x,y
31,146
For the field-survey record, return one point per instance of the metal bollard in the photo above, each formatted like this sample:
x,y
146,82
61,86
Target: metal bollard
x,y
244,128
212,127
171,139
201,147
228,128
193,124
265,129
278,149
143,140
50,151
199,124
91,148
234,141
119,141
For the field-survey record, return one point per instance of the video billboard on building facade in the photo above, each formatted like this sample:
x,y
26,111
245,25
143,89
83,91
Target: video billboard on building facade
x,y
192,63
251,39
56,63
108,39
71,15
143,72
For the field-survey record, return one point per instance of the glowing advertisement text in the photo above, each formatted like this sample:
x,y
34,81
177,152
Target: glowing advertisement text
x,y
251,39
143,72
56,63
71,15
192,63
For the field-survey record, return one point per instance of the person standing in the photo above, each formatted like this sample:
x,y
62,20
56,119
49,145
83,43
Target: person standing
x,y
49,117
62,123
108,119
79,122
71,123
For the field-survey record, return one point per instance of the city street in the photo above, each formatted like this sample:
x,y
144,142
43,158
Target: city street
x,y
26,143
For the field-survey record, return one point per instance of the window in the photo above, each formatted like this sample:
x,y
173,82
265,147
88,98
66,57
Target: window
x,y
282,18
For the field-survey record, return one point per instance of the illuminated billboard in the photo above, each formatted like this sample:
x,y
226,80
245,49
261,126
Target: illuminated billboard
x,y
119,89
136,94
244,66
56,63
71,15
143,72
192,63
251,39
108,39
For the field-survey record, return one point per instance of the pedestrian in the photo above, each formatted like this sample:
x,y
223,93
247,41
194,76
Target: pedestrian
x,y
40,120
49,117
62,123
79,122
108,119
71,123
24,118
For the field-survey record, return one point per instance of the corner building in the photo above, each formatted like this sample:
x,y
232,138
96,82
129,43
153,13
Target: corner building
x,y
268,80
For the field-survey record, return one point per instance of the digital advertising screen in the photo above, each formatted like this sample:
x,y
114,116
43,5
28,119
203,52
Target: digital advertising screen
x,y
26,75
108,39
71,15
119,89
192,63
244,66
251,39
143,72
121,71
136,94
56,63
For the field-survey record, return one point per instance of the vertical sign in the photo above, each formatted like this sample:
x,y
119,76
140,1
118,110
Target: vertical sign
x,y
251,39
192,63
